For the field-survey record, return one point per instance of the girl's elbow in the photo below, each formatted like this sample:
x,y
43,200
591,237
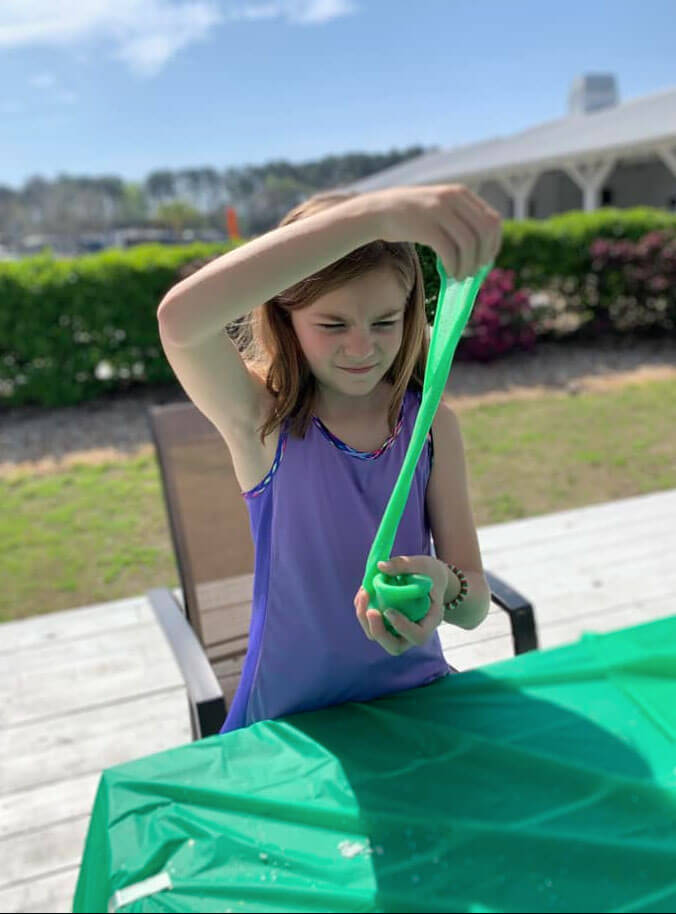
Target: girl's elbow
x,y
483,606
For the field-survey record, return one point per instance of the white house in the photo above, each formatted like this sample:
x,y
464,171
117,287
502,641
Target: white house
x,y
603,153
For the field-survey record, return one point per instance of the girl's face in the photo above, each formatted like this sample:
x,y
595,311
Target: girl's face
x,y
357,326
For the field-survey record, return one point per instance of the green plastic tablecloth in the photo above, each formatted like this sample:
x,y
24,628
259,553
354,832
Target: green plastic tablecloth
x,y
546,782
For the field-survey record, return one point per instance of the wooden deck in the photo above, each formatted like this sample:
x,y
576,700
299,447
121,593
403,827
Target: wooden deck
x,y
96,686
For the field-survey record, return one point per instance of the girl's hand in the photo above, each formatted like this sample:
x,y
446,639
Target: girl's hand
x,y
410,633
464,231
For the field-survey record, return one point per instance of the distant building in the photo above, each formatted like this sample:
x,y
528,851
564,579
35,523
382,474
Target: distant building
x,y
603,153
91,242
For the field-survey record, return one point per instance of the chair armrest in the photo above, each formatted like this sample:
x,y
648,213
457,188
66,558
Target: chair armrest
x,y
520,611
205,696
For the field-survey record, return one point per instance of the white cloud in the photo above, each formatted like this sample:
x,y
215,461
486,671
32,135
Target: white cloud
x,y
66,97
301,12
42,81
311,11
48,81
145,34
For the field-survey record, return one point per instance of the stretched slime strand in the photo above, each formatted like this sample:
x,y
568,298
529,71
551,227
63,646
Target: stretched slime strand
x,y
409,593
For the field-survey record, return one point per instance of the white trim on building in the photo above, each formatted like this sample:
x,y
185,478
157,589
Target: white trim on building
x,y
602,153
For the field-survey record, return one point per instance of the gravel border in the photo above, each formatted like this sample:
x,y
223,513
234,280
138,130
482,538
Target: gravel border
x,y
42,438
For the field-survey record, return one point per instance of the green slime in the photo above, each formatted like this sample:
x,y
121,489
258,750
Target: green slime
x,y
409,593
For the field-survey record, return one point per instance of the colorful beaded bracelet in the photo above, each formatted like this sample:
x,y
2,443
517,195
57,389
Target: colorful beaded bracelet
x,y
464,588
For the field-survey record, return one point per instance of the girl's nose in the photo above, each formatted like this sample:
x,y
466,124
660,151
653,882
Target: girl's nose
x,y
359,344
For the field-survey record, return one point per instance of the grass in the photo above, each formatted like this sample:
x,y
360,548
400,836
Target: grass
x,y
91,534
537,456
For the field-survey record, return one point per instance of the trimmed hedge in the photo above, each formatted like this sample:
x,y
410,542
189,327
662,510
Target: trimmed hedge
x,y
631,288
73,329
541,250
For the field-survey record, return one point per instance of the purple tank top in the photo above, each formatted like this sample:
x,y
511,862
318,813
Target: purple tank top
x,y
313,519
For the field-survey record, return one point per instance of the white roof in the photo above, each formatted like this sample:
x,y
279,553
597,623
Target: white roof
x,y
632,127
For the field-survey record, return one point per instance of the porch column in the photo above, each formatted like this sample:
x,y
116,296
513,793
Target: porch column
x,y
589,176
519,188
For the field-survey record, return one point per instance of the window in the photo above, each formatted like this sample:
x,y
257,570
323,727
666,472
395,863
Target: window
x,y
606,196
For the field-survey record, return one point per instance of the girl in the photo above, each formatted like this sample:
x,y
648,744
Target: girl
x,y
317,412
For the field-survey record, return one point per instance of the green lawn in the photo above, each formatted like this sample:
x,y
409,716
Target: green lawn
x,y
558,452
90,534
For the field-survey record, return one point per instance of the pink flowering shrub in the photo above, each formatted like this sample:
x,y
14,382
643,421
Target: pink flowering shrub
x,y
502,320
634,283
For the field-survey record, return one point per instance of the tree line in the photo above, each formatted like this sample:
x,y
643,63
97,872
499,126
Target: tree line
x,y
194,197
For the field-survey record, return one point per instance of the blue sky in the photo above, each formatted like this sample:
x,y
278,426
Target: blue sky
x,y
124,87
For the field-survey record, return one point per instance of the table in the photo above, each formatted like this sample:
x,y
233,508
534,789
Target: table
x,y
544,782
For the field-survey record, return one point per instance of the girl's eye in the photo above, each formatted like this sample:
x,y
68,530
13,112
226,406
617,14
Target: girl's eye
x,y
339,326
